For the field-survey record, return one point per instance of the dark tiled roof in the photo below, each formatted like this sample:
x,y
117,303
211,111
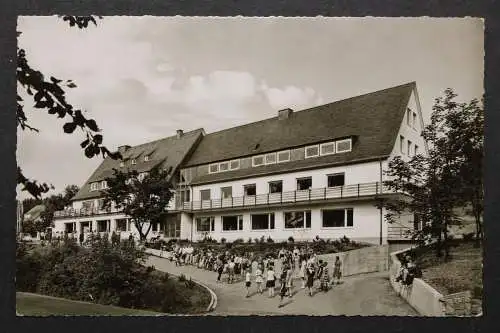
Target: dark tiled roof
x,y
373,119
167,152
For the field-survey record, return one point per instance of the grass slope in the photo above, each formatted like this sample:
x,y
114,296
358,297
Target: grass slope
x,y
28,304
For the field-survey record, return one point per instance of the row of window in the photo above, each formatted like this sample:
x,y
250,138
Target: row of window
x,y
331,218
411,149
327,148
304,183
411,118
98,185
133,161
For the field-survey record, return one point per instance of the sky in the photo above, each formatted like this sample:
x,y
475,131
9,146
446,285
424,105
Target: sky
x,y
142,78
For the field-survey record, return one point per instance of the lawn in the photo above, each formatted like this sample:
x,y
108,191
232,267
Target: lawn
x,y
28,304
463,272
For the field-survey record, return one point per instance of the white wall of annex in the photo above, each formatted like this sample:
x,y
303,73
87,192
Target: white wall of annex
x,y
354,174
366,225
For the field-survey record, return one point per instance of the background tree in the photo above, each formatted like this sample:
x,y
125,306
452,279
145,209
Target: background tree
x,y
49,95
448,178
143,199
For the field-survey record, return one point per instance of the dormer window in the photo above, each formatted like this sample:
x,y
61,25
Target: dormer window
x,y
133,161
258,160
224,166
104,184
213,168
234,164
146,158
327,148
271,158
312,151
94,186
283,156
344,146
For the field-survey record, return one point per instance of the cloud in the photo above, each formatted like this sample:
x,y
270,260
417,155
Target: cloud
x,y
291,97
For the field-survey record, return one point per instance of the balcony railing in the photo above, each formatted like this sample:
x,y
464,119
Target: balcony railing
x,y
84,212
317,194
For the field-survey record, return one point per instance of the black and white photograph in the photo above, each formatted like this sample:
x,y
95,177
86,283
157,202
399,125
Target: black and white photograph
x,y
249,166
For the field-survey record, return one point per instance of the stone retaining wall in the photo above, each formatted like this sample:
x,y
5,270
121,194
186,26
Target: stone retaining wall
x,y
424,298
365,260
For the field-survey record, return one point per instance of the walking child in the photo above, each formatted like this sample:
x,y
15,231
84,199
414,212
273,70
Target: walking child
x,y
248,283
325,279
258,279
283,288
337,271
310,278
271,280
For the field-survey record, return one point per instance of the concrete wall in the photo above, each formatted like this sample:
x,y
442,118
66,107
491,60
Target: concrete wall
x,y
421,296
365,260
366,225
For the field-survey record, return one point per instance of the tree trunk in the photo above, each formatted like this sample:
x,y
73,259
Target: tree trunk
x,y
479,229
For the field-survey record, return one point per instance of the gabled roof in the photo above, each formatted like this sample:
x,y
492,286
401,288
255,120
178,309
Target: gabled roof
x,y
167,152
372,119
34,213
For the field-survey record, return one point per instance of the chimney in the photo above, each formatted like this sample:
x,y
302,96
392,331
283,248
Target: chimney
x,y
124,148
179,133
285,113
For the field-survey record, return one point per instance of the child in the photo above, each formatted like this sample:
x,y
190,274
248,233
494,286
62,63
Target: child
x,y
258,279
319,273
289,281
337,272
302,273
283,288
310,278
271,280
325,280
248,283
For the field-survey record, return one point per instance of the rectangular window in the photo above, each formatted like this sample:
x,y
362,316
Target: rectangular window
x,y
205,195
213,168
102,226
327,148
283,156
104,184
94,186
146,158
121,225
416,150
185,195
133,161
257,160
401,144
232,223
250,190
408,117
88,205
276,187
337,179
337,218
173,228
100,204
414,120
224,166
299,219
312,151
271,158
262,221
344,146
304,183
409,148
226,192
205,224
234,165
416,222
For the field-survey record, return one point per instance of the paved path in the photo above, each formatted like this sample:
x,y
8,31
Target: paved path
x,y
367,294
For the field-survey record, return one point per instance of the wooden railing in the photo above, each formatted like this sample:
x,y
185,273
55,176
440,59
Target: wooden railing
x,y
339,192
71,212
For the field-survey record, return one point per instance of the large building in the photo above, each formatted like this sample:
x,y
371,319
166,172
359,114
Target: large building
x,y
316,172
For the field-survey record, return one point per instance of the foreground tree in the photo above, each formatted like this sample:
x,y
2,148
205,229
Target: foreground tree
x,y
49,95
142,197
448,178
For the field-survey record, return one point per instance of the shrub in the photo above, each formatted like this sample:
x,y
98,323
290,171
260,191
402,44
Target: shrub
x,y
249,240
238,241
270,240
182,278
223,240
190,283
290,239
257,241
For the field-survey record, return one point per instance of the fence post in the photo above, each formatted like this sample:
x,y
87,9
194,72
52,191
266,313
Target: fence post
x,y
324,193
